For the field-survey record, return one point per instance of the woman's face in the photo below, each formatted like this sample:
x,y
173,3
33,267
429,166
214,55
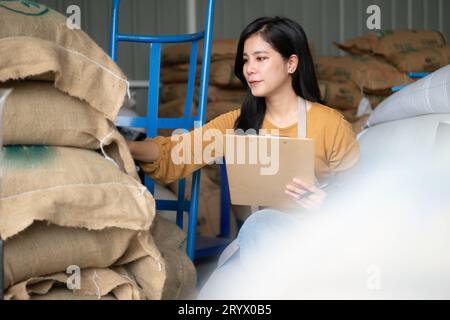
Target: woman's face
x,y
266,71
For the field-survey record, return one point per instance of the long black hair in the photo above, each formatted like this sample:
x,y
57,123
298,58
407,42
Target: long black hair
x,y
287,37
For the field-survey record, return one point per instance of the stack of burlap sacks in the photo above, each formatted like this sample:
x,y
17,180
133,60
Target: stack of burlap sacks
x,y
377,62
69,195
225,93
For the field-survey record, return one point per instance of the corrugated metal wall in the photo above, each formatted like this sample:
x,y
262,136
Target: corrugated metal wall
x,y
324,21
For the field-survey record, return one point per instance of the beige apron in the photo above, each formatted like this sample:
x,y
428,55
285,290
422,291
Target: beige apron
x,y
233,247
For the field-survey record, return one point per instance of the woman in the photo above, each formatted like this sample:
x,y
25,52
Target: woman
x,y
274,63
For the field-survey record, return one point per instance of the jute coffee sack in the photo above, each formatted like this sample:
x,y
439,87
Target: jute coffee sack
x,y
175,108
340,94
221,74
45,249
388,42
38,114
35,40
397,41
175,91
181,275
95,283
180,53
177,73
367,72
69,187
422,60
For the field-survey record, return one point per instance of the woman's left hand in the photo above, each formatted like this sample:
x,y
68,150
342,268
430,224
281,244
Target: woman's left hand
x,y
307,195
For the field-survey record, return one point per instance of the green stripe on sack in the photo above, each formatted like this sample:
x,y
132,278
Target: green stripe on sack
x,y
24,7
26,156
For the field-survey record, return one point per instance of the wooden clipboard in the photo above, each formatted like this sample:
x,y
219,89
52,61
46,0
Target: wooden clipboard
x,y
250,183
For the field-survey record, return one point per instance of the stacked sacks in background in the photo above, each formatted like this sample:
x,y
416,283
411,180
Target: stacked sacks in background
x,y
404,50
225,91
62,202
408,50
360,76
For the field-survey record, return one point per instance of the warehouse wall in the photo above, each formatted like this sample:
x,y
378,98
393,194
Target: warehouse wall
x,y
324,21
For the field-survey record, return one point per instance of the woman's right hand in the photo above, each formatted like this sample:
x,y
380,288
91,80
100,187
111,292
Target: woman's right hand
x,y
145,151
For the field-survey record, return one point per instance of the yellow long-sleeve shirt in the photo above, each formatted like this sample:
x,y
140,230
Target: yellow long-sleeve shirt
x,y
336,147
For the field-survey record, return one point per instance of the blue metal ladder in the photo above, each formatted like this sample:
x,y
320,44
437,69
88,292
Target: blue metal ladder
x,y
151,122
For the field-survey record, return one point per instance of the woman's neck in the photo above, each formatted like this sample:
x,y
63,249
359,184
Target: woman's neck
x,y
282,108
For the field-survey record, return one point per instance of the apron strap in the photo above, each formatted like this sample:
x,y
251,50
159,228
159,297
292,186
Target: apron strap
x,y
301,126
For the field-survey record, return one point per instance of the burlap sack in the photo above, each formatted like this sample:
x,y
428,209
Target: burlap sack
x,y
236,96
69,187
180,53
222,74
359,45
66,294
181,274
209,202
366,72
423,60
45,249
388,42
175,108
145,264
177,73
340,94
35,40
95,283
396,41
176,91
38,114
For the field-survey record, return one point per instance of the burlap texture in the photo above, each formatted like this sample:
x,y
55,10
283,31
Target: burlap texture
x,y
340,94
397,41
176,91
95,283
35,40
180,53
175,108
422,60
389,42
365,71
181,274
221,74
38,114
69,187
46,249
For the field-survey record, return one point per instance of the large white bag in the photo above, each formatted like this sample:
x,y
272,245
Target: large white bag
x,y
398,142
428,95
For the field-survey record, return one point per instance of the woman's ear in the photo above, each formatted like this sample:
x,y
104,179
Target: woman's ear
x,y
292,63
